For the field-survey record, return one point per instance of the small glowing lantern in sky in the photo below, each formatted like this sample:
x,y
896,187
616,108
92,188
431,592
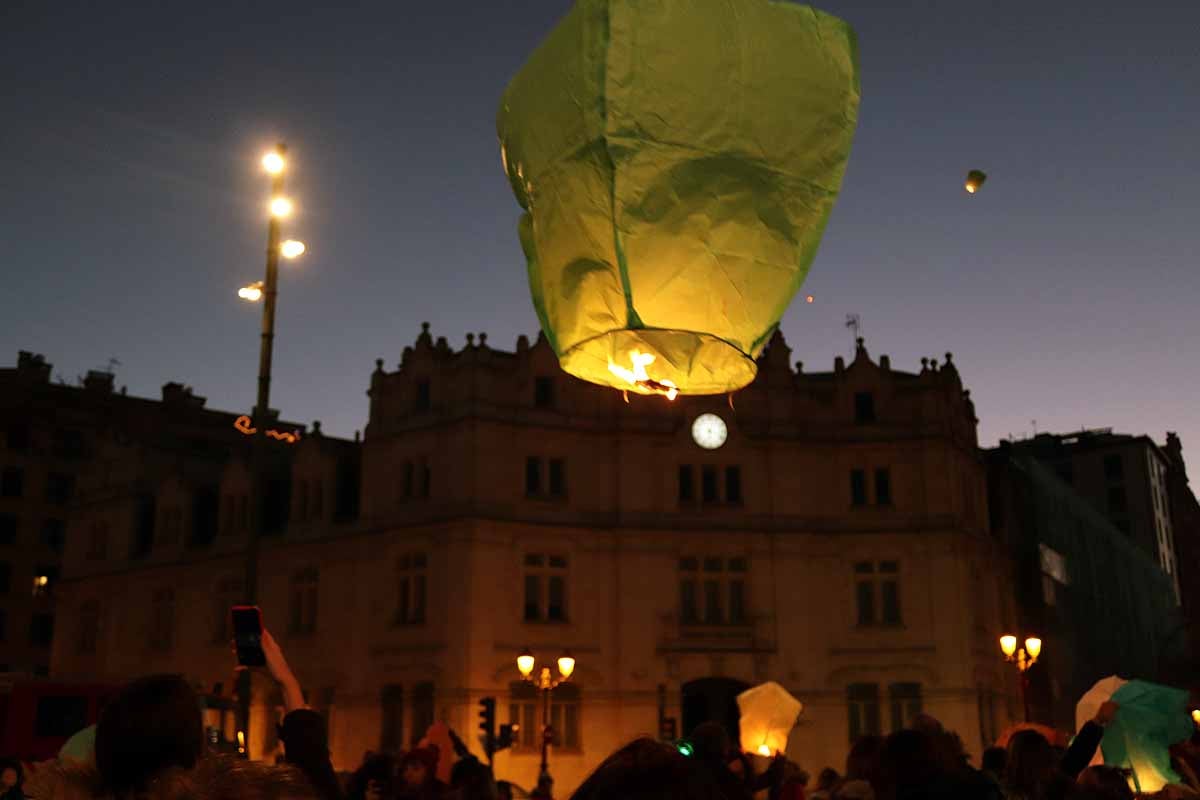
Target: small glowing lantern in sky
x,y
677,163
769,713
975,179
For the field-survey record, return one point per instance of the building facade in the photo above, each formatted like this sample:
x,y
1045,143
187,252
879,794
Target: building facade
x,y
828,531
1124,477
1101,604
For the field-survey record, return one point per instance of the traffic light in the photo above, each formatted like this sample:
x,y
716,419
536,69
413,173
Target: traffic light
x,y
487,724
507,737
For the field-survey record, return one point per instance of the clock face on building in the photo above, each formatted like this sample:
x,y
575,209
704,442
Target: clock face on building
x,y
709,431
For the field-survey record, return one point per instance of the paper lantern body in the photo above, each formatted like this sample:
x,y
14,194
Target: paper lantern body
x,y
768,714
975,179
677,163
1150,720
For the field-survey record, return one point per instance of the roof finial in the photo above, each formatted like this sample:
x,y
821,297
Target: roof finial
x,y
470,340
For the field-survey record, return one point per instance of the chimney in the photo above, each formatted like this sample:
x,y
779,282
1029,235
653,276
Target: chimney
x,y
33,366
98,381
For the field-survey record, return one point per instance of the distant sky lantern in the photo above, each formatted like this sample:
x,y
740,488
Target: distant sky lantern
x,y
768,714
975,179
677,163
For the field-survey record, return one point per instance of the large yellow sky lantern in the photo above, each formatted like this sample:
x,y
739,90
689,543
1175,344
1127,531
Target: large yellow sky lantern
x,y
677,163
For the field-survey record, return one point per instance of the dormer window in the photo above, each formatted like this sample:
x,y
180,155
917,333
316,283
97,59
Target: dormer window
x,y
422,402
864,408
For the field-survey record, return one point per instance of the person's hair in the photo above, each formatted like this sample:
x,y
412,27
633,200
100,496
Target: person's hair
x,y
864,759
711,742
473,780
1031,763
827,779
379,768
910,761
995,759
648,770
153,724
1109,782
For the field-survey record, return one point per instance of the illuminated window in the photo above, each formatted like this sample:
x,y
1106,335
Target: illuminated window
x,y
525,710
545,588
411,582
712,591
877,586
45,577
162,620
303,605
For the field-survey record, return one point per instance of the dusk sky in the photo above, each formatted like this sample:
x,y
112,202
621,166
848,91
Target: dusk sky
x,y
132,205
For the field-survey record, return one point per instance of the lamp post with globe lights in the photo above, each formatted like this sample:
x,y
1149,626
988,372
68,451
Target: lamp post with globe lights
x,y
545,681
275,164
1022,657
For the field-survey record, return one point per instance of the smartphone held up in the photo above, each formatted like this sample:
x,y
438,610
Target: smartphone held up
x,y
247,636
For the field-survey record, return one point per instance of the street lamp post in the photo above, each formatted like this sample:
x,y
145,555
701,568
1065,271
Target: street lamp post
x,y
545,681
267,290
1022,657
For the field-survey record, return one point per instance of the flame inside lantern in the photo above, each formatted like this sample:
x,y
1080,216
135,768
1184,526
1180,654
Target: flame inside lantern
x,y
639,380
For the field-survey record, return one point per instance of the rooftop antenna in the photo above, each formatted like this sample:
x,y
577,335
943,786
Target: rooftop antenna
x,y
1034,423
112,363
854,323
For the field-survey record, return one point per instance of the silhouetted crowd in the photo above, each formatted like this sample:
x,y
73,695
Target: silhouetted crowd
x,y
149,745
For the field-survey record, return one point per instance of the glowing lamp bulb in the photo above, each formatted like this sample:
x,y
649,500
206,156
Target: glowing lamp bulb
x,y
763,750
41,580
525,663
281,207
1008,645
252,293
292,248
566,665
273,163
1033,646
1196,715
809,299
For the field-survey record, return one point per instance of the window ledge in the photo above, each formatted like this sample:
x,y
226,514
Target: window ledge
x,y
881,626
528,621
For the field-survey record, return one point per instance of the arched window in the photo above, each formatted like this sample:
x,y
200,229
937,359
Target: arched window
x,y
526,709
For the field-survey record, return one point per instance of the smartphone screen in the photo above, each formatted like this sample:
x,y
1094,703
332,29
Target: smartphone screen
x,y
247,636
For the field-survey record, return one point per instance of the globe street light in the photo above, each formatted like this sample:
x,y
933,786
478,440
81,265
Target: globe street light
x,y
292,249
545,681
1022,658
252,292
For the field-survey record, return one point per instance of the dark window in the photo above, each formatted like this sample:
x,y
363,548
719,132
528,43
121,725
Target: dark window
x,y
533,595
864,407
12,482
1114,467
708,484
687,489
564,716
1117,501
862,702
737,601
905,700
59,488
858,487
525,711
143,534
8,529
162,620
411,582
422,402
543,392
18,437
866,602
422,711
54,534
733,484
391,729
5,577
97,549
69,444
303,611
41,630
883,487
558,477
889,591
426,481
3,630
712,601
533,476
545,588
688,611
204,517
408,479
877,592
60,716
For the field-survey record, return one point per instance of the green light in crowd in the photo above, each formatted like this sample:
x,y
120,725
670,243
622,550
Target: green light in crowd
x,y
685,748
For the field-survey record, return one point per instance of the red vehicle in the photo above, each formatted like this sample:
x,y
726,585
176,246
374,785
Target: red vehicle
x,y
38,716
